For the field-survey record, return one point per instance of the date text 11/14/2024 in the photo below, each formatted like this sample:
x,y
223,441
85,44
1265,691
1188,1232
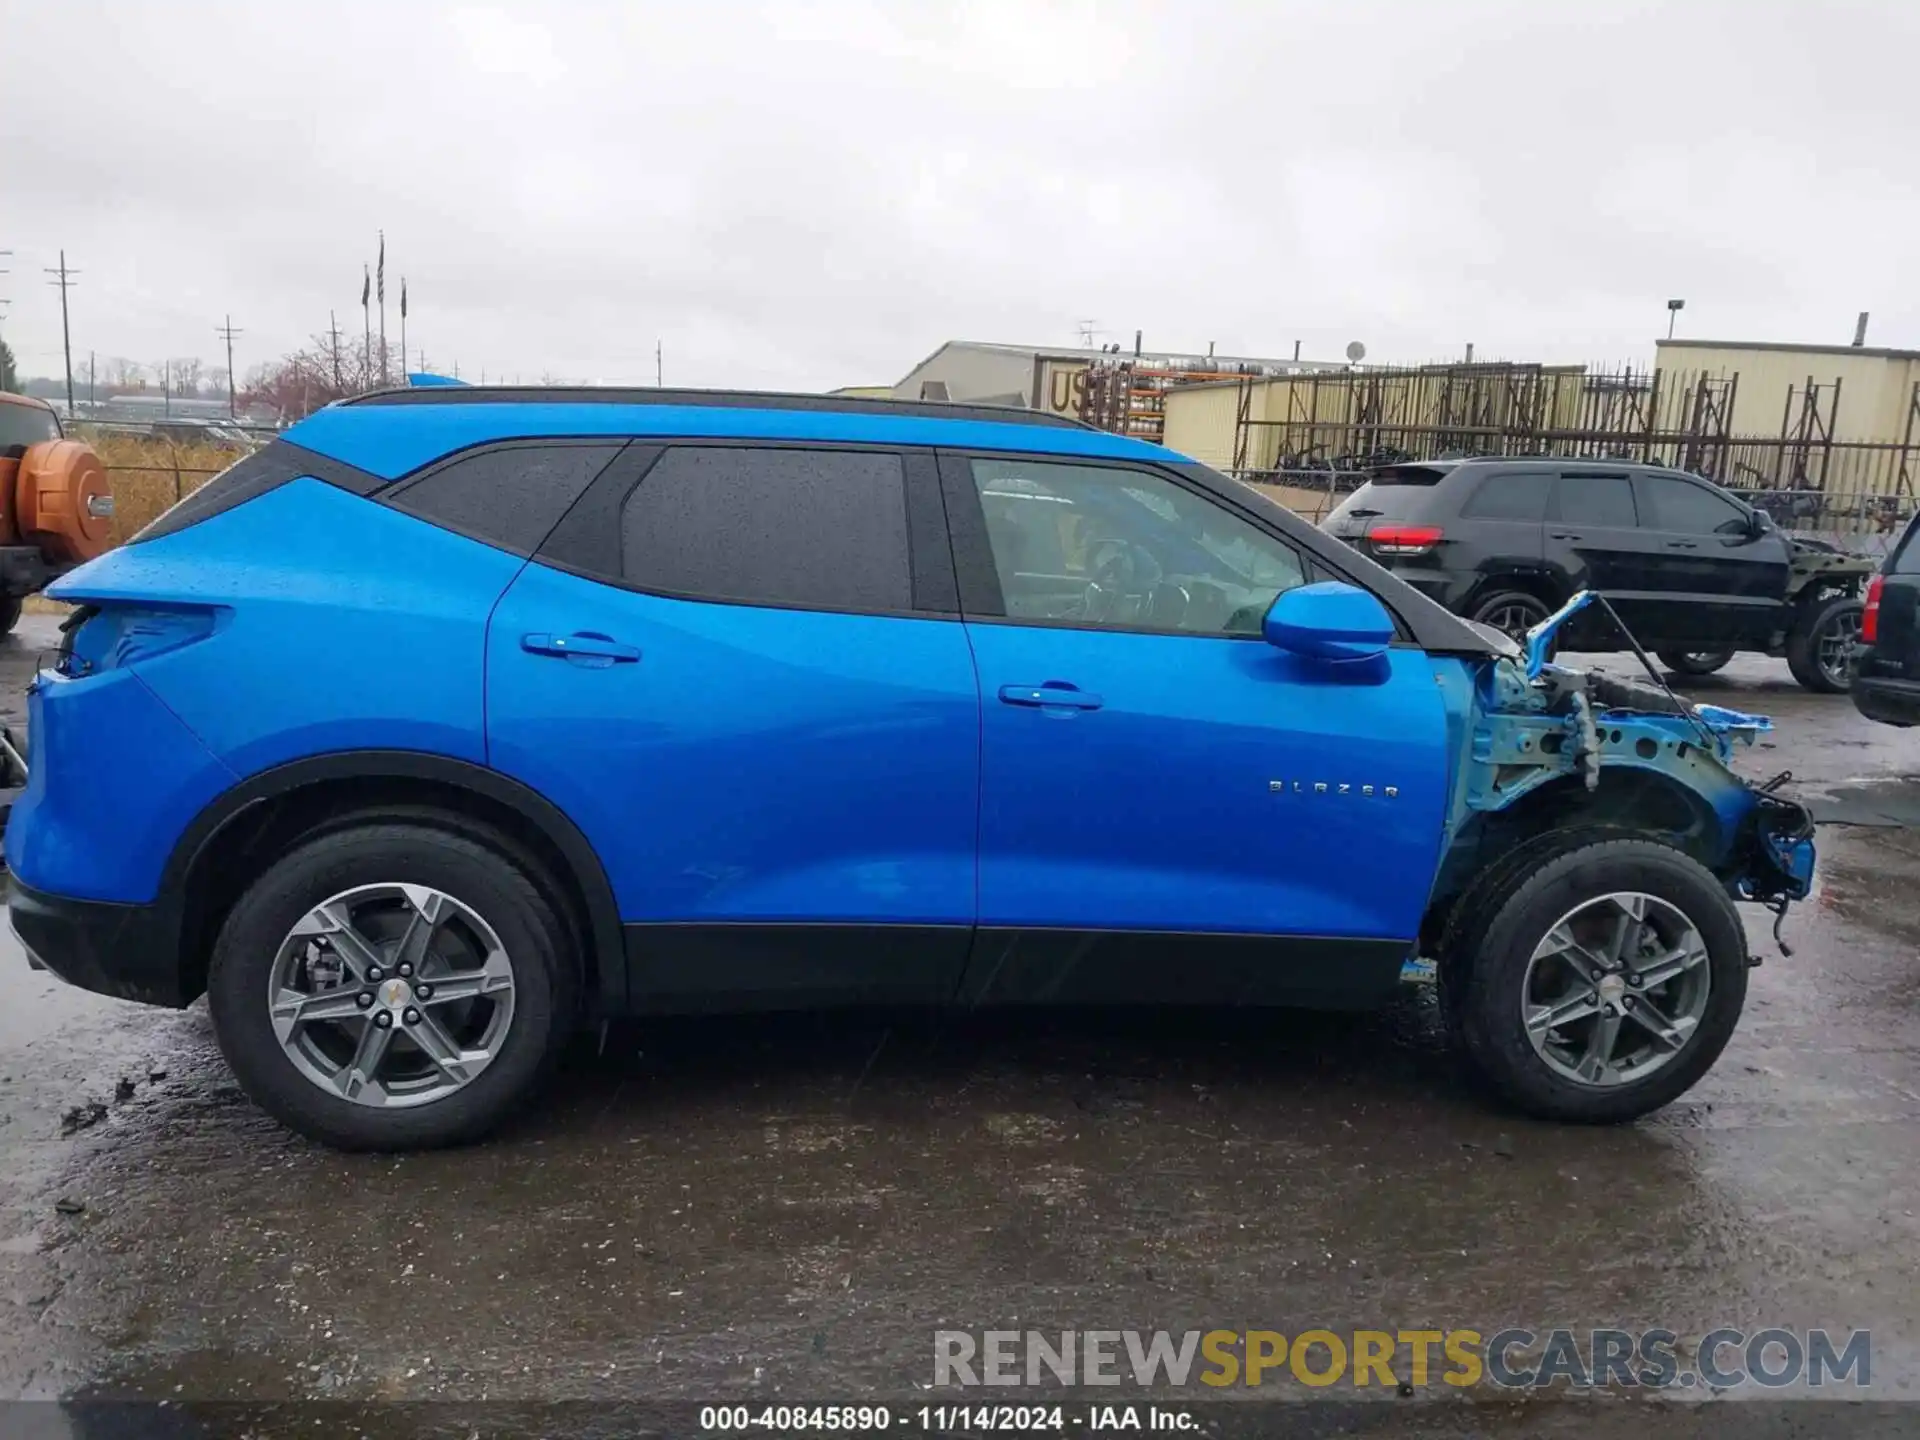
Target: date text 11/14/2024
x,y
941,1419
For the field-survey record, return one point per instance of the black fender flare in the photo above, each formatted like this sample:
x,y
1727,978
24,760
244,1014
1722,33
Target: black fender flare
x,y
588,873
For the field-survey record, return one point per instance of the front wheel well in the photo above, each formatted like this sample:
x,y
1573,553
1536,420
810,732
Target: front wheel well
x,y
248,843
1628,801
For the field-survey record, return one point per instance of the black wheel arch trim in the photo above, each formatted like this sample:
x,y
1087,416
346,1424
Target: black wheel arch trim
x,y
588,873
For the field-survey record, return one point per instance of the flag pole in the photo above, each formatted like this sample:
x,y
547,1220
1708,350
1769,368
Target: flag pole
x,y
380,287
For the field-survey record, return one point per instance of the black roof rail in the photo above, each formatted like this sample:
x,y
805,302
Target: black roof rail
x,y
726,399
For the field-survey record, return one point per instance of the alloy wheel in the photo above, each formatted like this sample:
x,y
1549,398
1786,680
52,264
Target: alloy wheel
x,y
1616,989
1834,654
391,995
1515,620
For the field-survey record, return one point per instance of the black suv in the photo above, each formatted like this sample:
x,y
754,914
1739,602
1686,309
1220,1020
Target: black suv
x,y
1886,684
1693,572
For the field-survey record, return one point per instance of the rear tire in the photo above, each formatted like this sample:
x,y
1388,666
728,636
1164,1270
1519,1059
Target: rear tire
x,y
10,612
1695,662
483,901
1491,969
1820,645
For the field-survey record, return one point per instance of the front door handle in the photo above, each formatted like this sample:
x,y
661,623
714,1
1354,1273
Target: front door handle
x,y
1682,545
1054,695
1562,535
584,645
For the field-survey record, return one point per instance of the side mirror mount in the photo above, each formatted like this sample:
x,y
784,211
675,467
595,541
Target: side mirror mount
x,y
1329,620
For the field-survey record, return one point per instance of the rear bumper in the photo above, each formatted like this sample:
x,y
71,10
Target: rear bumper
x,y
1891,702
131,952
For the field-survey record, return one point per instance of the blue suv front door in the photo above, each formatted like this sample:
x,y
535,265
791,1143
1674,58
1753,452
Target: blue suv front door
x,y
1155,776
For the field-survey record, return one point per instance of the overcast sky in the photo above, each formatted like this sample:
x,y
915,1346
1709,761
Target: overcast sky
x,y
808,194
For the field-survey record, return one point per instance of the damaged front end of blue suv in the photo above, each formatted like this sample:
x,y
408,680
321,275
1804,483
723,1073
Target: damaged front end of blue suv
x,y
1562,771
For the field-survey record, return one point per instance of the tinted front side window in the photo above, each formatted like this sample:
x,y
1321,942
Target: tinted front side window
x,y
819,529
1594,500
1123,548
1691,509
510,496
1509,497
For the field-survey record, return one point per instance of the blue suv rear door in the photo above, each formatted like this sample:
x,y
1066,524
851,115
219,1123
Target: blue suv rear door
x,y
741,671
1170,806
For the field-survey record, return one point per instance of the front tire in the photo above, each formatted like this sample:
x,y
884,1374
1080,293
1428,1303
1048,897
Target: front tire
x,y
1596,980
391,987
10,612
1820,645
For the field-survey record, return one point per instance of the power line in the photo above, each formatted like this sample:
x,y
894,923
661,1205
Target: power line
x,y
65,283
227,332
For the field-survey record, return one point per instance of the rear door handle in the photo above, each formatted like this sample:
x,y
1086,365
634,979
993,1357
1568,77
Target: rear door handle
x,y
1682,545
1053,695
585,645
1562,535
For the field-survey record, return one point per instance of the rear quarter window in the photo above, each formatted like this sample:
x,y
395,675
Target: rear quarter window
x,y
509,495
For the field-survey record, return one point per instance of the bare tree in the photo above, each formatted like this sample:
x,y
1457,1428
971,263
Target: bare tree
x,y
187,375
298,384
124,374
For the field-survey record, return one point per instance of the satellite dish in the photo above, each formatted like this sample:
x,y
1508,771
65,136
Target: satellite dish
x,y
1356,352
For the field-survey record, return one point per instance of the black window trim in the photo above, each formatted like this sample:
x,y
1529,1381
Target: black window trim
x,y
930,565
391,493
982,603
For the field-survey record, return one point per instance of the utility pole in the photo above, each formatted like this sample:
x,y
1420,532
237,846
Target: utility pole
x,y
658,369
90,396
3,271
227,332
65,283
166,395
333,335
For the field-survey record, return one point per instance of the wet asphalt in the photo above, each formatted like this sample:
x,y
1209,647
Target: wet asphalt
x,y
789,1207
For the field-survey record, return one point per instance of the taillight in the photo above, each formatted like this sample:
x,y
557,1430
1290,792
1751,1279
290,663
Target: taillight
x,y
1404,539
110,635
1870,619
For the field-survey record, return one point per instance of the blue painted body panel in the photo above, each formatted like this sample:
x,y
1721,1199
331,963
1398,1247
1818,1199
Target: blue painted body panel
x,y
339,625
753,764
1218,786
391,440
113,779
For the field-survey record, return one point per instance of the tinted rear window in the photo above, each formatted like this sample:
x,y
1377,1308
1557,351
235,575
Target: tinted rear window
x,y
1509,497
819,529
24,425
510,496
1410,475
1396,499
